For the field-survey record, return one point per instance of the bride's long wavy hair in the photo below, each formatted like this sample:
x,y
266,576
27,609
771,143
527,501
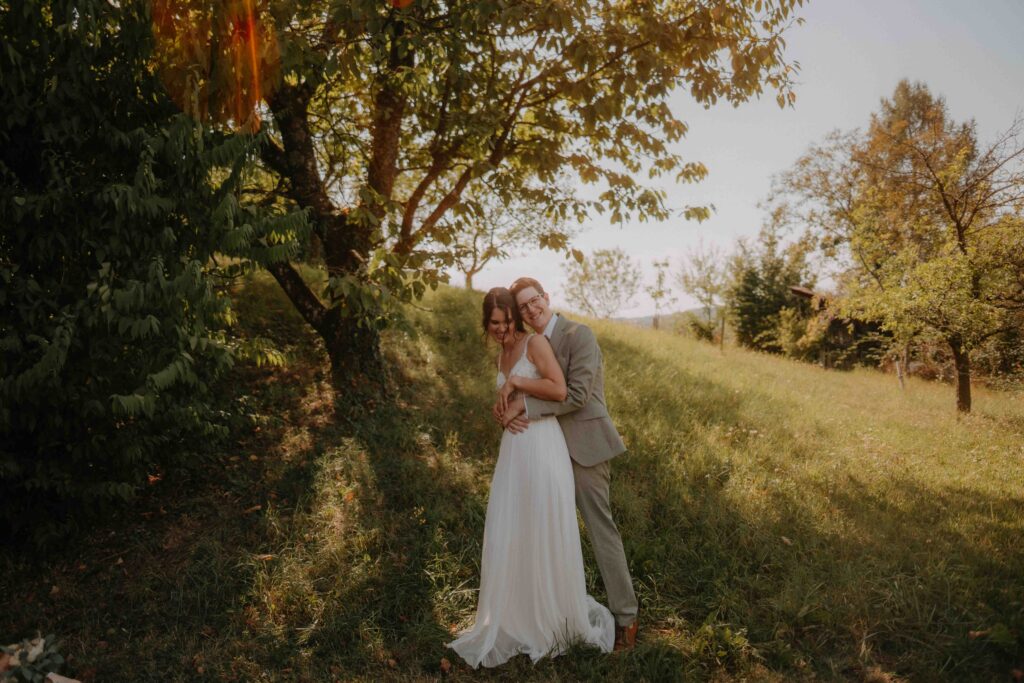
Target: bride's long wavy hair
x,y
501,298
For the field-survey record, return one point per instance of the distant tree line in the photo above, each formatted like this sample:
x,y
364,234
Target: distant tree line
x,y
924,228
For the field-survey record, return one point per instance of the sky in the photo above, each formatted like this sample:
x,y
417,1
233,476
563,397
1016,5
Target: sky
x,y
851,54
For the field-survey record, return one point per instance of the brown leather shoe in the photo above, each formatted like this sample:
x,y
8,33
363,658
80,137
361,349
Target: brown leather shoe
x,y
625,636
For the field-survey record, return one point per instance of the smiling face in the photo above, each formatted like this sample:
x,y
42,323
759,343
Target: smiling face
x,y
501,321
499,326
534,307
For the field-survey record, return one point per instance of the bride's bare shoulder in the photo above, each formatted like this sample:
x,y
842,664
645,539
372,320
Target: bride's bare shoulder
x,y
538,343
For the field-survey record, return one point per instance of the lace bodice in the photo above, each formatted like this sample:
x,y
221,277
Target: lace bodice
x,y
523,367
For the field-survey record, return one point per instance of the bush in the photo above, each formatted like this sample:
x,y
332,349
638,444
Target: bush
x,y
701,329
760,291
108,323
999,361
800,336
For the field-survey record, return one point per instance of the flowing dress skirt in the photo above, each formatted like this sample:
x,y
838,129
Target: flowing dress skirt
x,y
533,598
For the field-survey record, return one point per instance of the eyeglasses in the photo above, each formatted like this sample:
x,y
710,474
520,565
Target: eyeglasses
x,y
533,301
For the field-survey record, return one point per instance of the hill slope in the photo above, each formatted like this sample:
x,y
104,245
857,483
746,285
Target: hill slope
x,y
777,512
782,522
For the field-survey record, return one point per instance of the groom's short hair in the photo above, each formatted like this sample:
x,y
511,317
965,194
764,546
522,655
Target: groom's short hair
x,y
524,282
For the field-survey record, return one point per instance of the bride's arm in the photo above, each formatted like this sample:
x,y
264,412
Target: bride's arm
x,y
551,385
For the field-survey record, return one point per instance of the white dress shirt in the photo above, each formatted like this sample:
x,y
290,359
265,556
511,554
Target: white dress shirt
x,y
549,329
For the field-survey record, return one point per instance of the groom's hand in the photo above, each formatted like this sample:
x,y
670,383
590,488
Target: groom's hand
x,y
513,418
518,425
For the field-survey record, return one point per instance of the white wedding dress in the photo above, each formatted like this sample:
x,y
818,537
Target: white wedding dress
x,y
533,597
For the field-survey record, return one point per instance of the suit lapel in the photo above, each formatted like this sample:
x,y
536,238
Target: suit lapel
x,y
558,333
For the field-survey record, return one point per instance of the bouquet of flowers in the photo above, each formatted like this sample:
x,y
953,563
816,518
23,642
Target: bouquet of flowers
x,y
33,661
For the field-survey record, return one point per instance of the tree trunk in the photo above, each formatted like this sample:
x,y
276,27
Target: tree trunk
x,y
656,322
902,363
357,368
358,372
469,280
962,362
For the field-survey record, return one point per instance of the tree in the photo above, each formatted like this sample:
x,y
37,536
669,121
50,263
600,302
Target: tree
x,y
482,227
702,276
758,295
387,112
928,221
659,291
603,283
112,204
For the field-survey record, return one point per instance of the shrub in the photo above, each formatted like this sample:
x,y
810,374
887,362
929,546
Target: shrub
x,y
701,329
108,322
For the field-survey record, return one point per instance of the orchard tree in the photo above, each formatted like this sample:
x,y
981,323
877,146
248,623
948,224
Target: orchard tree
x,y
603,283
702,276
483,227
386,111
660,291
929,221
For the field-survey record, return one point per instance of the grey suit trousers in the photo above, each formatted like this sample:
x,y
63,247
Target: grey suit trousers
x,y
593,501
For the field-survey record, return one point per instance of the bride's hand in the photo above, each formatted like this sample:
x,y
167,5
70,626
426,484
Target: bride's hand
x,y
505,393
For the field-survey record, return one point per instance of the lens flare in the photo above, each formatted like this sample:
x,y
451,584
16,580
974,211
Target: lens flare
x,y
217,60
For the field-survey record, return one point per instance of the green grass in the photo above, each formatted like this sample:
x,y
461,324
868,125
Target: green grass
x,y
782,522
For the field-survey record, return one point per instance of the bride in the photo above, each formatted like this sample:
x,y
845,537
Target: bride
x,y
533,598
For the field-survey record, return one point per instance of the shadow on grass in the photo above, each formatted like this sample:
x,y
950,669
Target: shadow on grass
x,y
155,590
898,588
308,550
953,565
385,614
455,387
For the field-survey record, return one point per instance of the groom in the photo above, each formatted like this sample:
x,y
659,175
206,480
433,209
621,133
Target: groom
x,y
592,440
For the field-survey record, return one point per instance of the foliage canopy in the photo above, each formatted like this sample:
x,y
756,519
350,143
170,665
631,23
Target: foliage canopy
x,y
385,116
112,205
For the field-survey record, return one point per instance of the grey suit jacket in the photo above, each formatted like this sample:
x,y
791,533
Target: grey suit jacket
x,y
583,415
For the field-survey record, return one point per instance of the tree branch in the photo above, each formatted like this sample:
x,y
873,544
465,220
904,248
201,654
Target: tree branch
x,y
307,303
498,153
440,154
389,111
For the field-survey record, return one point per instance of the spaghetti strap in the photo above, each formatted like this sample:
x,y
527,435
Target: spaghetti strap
x,y
526,346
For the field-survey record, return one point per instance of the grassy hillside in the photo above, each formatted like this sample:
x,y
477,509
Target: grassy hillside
x,y
782,522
